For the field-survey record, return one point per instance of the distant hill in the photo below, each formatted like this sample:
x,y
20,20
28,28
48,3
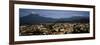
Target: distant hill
x,y
36,19
75,19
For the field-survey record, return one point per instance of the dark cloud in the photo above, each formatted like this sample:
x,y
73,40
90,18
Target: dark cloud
x,y
53,13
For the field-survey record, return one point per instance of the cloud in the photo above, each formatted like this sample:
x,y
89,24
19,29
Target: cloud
x,y
54,13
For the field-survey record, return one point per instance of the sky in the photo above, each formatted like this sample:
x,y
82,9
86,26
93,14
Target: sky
x,y
53,13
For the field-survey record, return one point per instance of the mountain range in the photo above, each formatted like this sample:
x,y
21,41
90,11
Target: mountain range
x,y
36,19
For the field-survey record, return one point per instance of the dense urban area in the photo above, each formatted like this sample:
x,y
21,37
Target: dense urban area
x,y
53,29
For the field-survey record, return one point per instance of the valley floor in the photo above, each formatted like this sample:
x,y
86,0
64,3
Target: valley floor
x,y
54,29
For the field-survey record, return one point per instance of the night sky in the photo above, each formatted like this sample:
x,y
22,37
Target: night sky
x,y
53,13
